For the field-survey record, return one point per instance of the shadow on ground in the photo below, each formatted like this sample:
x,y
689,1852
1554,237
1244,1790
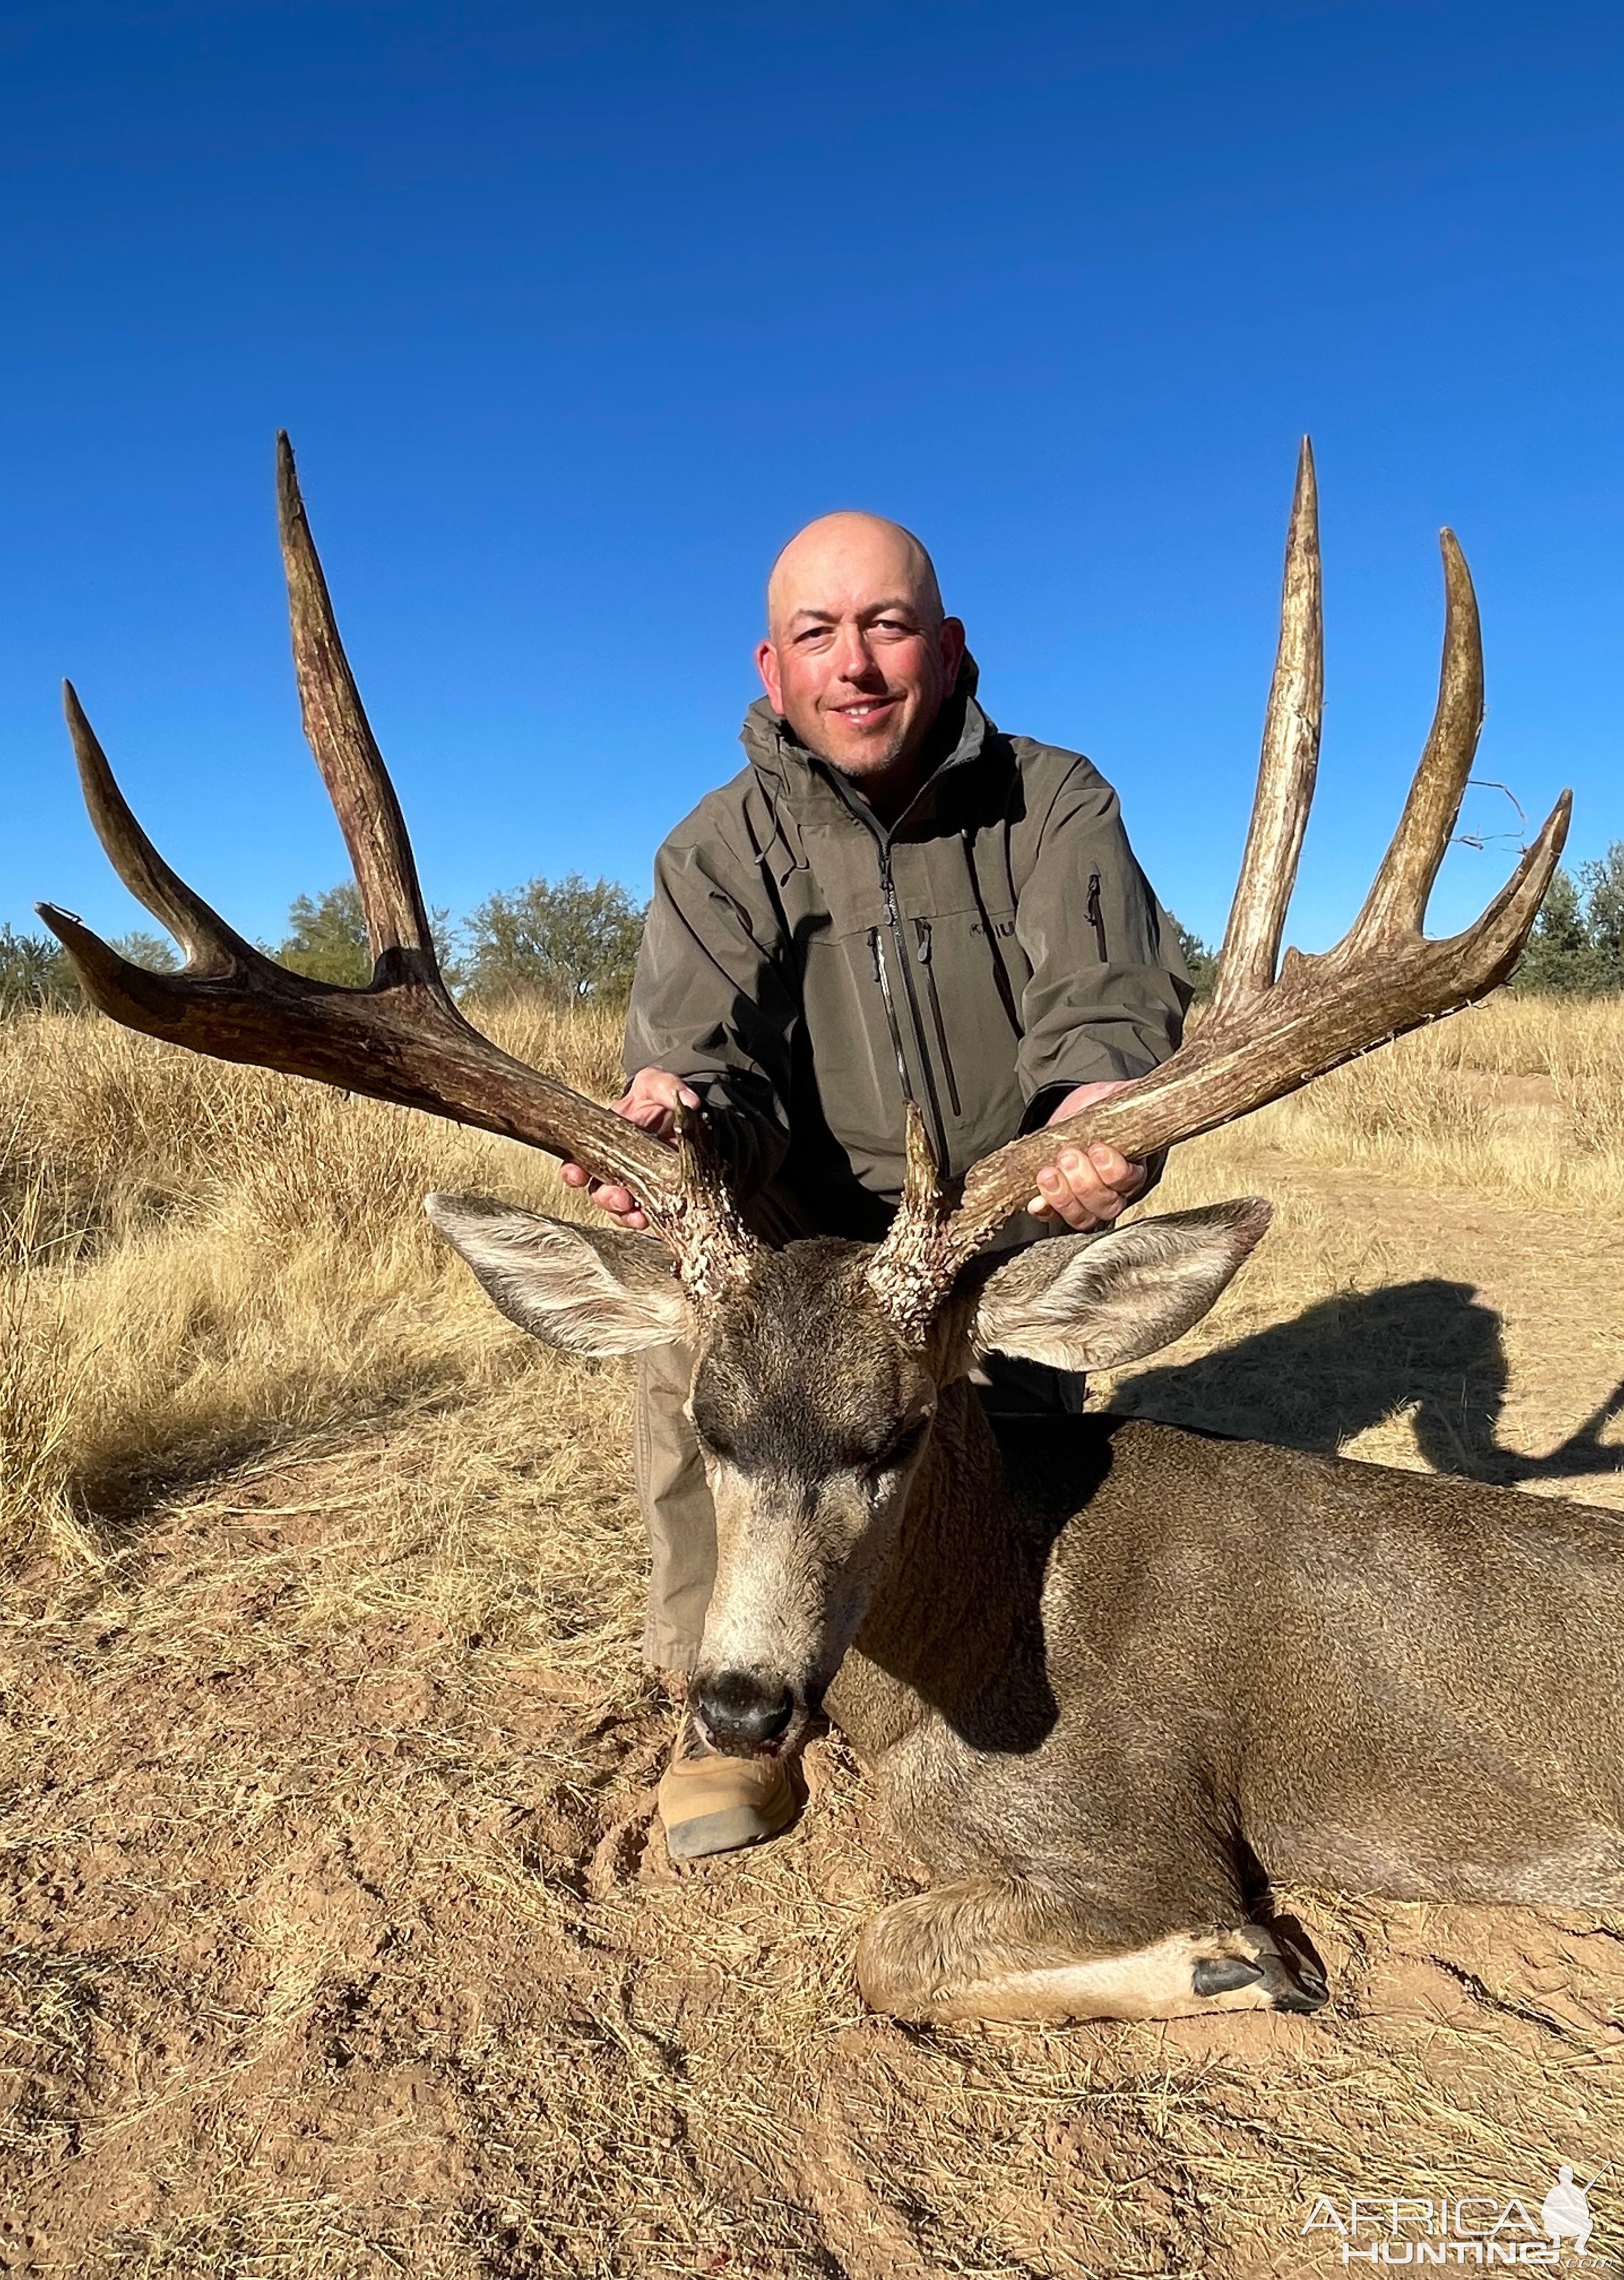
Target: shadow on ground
x,y
1429,1347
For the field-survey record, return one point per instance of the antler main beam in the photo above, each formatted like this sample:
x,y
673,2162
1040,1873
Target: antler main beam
x,y
400,1039
1263,1037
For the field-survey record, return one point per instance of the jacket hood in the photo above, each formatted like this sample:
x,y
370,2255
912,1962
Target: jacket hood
x,y
777,753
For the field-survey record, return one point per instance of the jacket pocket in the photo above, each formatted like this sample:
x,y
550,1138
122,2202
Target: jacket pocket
x,y
964,995
921,936
1096,917
853,1042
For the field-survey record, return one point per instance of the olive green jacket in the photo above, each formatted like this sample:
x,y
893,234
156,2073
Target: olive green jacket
x,y
806,969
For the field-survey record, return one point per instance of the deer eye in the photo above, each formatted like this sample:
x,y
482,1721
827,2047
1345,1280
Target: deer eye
x,y
710,1432
901,1450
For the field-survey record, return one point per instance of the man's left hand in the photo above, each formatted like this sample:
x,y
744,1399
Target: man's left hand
x,y
1086,1186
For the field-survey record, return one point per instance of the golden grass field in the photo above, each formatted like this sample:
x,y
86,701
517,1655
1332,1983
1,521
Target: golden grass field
x,y
336,1941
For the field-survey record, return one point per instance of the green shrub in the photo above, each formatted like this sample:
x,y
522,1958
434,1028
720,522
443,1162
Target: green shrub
x,y
34,972
326,939
571,938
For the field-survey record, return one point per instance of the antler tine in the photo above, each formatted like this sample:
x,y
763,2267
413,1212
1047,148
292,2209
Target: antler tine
x,y
339,734
912,1267
1286,768
212,947
705,1224
1489,948
1397,904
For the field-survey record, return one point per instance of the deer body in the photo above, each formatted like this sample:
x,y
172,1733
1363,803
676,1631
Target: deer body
x,y
1111,1676
1117,1675
1113,1679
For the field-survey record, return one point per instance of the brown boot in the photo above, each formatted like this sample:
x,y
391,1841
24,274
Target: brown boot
x,y
711,1803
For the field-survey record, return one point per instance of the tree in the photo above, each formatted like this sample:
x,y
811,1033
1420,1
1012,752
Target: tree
x,y
1577,945
573,938
1202,962
326,939
154,952
1557,955
34,972
1602,882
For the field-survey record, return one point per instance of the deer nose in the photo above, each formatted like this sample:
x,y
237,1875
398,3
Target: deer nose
x,y
738,1706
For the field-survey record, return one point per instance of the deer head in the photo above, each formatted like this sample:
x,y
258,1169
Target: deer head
x,y
819,1369
812,1402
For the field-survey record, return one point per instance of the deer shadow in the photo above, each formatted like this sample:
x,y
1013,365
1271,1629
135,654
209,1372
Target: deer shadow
x,y
1350,1362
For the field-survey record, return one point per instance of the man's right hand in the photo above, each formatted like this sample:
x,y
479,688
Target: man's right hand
x,y
650,1102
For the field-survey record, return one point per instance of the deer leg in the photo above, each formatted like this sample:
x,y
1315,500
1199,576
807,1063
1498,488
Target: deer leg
x,y
998,1948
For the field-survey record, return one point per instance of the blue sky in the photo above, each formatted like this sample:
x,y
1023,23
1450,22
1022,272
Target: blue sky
x,y
574,315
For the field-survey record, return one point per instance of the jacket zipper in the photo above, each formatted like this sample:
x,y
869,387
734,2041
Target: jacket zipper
x,y
893,913
1097,918
922,931
883,979
933,1101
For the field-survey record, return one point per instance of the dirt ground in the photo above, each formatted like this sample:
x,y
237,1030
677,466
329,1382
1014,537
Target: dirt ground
x,y
341,1942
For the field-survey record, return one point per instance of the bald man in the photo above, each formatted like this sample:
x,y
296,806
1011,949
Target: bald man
x,y
892,901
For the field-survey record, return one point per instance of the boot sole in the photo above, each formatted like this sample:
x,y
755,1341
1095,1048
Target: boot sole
x,y
724,1832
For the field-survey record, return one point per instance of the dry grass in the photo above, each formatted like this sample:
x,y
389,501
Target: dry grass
x,y
1442,1284
1518,1096
198,1261
338,1947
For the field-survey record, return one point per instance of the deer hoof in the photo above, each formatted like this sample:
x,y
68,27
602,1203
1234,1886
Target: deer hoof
x,y
1305,1991
1295,1984
1222,1974
1254,1971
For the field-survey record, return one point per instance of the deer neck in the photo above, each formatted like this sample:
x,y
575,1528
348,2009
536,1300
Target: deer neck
x,y
945,1616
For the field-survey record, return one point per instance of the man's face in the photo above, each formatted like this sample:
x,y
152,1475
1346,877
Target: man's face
x,y
858,658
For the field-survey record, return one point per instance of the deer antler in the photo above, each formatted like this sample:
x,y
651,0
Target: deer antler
x,y
1264,1037
401,1038
907,1272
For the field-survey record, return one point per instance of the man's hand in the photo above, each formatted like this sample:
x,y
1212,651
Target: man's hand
x,y
1086,1188
650,1103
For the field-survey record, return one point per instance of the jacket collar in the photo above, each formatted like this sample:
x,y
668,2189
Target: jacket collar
x,y
959,738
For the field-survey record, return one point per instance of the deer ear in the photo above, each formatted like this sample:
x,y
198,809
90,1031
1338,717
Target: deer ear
x,y
592,1290
1097,1301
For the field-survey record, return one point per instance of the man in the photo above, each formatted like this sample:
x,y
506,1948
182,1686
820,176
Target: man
x,y
891,901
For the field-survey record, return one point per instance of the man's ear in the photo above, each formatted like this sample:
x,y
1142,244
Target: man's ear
x,y
597,1291
1097,1301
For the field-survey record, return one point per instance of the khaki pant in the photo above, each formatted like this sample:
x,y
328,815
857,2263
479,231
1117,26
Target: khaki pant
x,y
676,1503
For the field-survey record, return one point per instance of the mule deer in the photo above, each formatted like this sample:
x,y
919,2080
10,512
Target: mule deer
x,y
1111,1676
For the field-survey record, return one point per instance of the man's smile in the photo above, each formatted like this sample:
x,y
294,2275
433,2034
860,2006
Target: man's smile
x,y
864,708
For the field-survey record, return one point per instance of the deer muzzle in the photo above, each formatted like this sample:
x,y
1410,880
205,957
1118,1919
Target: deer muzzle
x,y
747,1713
